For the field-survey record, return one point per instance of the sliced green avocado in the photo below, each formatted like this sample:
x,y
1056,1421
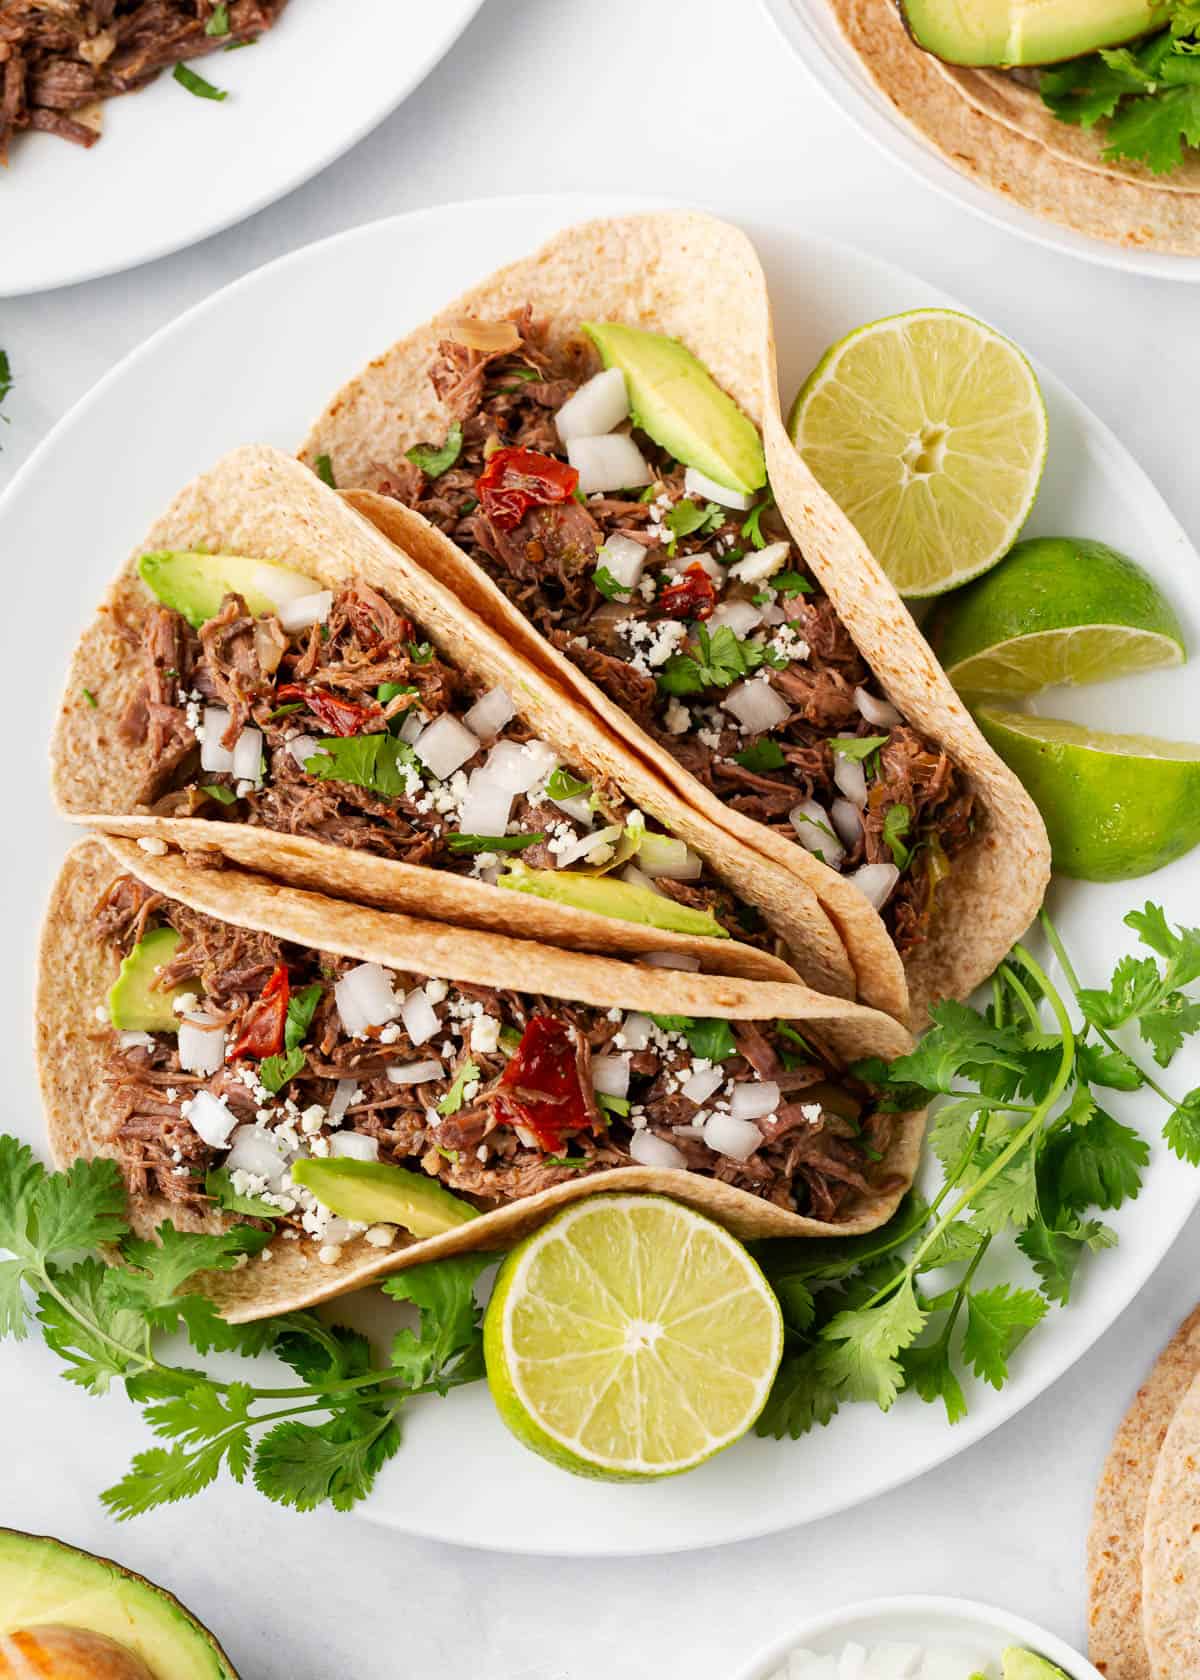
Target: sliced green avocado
x,y
135,1003
1027,32
675,399
367,1191
196,584
42,1582
1023,1665
606,897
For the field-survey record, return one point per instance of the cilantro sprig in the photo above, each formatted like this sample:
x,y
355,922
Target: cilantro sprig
x,y
715,659
321,1439
1027,1151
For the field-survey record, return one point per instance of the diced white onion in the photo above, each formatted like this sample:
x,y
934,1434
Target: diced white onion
x,y
740,616
850,776
756,705
634,877
201,1044
696,483
445,746
706,563
247,756
624,558
586,844
878,712
516,767
672,959
663,858
336,1231
701,1086
729,1136
489,714
303,747
280,583
365,998
415,1073
774,615
132,1040
814,830
259,1152
876,881
211,1119
354,1146
419,1016
343,1096
636,1030
577,808
412,726
750,1099
763,563
847,820
213,756
597,406
651,1151
610,1075
485,810
607,463
306,610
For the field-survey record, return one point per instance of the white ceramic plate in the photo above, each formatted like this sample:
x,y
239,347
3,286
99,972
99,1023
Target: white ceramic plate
x,y
90,491
171,168
810,28
940,1623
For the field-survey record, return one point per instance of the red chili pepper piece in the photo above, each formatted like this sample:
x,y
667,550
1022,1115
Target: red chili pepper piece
x,y
515,480
343,717
541,1087
264,1021
693,596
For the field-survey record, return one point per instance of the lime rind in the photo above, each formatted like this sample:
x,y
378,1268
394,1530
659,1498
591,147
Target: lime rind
x,y
929,430
1087,653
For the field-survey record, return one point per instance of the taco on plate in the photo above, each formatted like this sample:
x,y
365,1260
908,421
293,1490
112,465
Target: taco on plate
x,y
386,1090
269,677
579,448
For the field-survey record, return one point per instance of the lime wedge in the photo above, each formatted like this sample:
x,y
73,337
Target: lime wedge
x,y
1115,806
1057,610
929,431
631,1338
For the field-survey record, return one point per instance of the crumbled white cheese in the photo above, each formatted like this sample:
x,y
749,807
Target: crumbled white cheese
x,y
786,644
677,718
763,563
435,990
380,1236
329,1254
485,1034
101,1014
185,1003
312,1119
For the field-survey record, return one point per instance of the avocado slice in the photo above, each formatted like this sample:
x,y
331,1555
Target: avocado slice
x,y
135,1003
1024,1665
367,1191
46,1583
1011,33
675,399
195,584
606,897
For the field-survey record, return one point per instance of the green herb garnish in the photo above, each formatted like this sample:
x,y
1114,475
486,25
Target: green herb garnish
x,y
275,1071
790,583
434,461
716,660
608,586
764,755
614,1105
561,784
492,842
286,710
218,23
895,826
323,468
712,1040
688,518
187,77
856,748
90,698
222,795
456,1095
421,653
302,1006
218,1183
378,762
752,529
1147,95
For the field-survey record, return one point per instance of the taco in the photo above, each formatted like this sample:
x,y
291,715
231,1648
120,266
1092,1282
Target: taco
x,y
739,637
247,1050
1065,140
269,677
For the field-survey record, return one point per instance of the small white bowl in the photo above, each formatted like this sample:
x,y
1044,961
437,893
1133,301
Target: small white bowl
x,y
919,1620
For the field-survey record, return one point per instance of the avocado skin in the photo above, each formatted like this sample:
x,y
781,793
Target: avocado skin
x,y
614,898
1066,30
134,1004
43,1580
371,1192
676,401
194,584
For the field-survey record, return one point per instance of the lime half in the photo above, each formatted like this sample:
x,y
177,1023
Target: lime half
x,y
929,431
631,1338
1057,610
1115,806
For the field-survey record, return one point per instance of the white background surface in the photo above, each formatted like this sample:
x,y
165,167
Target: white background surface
x,y
696,98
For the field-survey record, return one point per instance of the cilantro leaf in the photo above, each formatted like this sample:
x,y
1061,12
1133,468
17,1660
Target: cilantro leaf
x,y
561,784
1182,1130
302,1006
187,78
762,756
162,1476
378,762
466,843
718,659
1165,1026
323,467
306,1465
752,529
218,23
1056,1253
1153,130
960,1042
83,1207
218,1183
98,1339
610,587
448,1348
688,517
1097,1065
801,1397
1096,1161
856,748
790,583
222,795
711,1040
434,461
456,1095
859,1354
1008,1198
896,825
928,1370
275,1071
998,1320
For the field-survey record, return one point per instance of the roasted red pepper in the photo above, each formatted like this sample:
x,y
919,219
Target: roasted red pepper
x,y
263,1023
693,595
342,717
540,1089
515,480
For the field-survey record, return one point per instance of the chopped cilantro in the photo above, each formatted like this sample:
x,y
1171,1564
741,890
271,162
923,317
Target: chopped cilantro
x,y
469,506
752,529
614,1105
302,1006
421,653
275,1071
650,492
90,698
433,461
218,23
608,586
786,1030
856,747
218,1184
717,659
790,583
456,1095
377,762
688,518
283,711
762,756
323,467
562,785
389,690
510,1037
222,795
492,842
578,1162
895,826
710,1039
187,77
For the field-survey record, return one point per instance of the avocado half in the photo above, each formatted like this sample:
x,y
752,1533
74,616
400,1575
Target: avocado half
x,y
1011,34
44,1582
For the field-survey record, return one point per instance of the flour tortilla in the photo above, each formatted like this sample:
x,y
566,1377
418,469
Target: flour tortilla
x,y
645,270
258,501
75,971
1171,1547
997,131
1116,1644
